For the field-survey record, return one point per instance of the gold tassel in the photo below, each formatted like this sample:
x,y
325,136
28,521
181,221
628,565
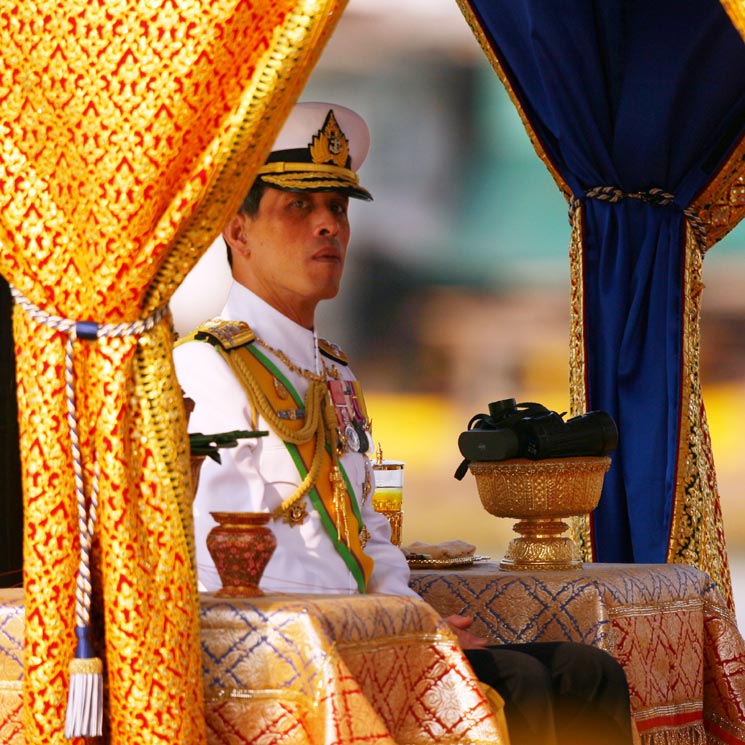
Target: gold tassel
x,y
340,504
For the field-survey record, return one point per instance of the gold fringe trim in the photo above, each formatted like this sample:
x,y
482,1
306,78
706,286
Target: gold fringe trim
x,y
577,379
579,526
688,735
697,528
727,725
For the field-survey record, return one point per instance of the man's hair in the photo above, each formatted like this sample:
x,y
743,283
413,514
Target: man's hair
x,y
250,208
250,204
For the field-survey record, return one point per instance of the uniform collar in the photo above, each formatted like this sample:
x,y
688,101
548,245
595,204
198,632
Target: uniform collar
x,y
277,330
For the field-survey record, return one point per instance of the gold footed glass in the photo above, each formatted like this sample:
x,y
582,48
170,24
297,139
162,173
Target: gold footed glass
x,y
392,511
388,495
539,493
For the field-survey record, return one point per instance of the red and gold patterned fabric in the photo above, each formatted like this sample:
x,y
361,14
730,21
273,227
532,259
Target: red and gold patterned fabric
x,y
667,624
312,669
130,131
11,667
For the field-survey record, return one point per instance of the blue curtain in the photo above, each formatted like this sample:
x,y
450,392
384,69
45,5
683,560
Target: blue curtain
x,y
635,95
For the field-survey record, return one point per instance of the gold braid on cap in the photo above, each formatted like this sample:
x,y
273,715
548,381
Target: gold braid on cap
x,y
298,169
288,182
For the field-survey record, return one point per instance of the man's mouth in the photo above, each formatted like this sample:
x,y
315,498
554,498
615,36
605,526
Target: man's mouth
x,y
328,253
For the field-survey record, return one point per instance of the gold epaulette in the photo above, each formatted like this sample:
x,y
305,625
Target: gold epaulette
x,y
228,334
329,349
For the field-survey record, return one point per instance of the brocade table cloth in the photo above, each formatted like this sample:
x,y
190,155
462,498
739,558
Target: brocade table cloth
x,y
666,624
297,669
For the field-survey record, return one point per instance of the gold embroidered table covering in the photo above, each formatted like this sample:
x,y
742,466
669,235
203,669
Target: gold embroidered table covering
x,y
311,669
667,624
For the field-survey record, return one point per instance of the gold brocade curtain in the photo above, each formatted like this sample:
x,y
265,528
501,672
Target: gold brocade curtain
x,y
130,131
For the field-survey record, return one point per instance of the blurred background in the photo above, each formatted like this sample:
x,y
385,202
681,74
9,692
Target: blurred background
x,y
456,290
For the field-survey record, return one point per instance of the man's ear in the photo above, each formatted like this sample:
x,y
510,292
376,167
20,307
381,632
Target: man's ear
x,y
236,233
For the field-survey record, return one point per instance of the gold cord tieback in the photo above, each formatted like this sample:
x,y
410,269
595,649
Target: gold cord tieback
x,y
655,196
320,424
291,510
85,700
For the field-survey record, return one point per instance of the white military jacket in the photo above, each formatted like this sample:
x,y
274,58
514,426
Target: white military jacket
x,y
259,473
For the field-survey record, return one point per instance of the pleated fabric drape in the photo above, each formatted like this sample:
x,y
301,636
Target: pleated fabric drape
x,y
130,131
638,111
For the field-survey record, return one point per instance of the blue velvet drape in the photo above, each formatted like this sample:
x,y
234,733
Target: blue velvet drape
x,y
635,95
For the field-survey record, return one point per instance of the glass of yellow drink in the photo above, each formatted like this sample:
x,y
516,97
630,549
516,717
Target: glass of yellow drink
x,y
388,494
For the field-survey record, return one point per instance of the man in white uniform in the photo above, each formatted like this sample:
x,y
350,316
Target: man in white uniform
x,y
261,366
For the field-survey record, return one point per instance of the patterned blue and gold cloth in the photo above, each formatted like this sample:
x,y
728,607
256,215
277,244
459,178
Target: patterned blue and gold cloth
x,y
667,624
311,669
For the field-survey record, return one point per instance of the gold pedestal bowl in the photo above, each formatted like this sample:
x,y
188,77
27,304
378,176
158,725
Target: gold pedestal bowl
x,y
539,493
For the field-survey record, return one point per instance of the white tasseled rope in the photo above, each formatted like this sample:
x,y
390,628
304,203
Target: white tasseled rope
x,y
85,701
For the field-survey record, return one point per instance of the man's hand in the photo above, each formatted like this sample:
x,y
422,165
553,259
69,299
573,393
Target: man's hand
x,y
459,626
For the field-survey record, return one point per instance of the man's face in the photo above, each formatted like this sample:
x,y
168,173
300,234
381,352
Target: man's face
x,y
292,252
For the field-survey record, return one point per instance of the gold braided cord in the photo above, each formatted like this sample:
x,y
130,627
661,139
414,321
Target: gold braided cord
x,y
311,168
131,131
307,374
310,480
314,403
320,421
313,427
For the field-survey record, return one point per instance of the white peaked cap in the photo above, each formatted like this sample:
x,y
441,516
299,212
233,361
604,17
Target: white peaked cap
x,y
320,147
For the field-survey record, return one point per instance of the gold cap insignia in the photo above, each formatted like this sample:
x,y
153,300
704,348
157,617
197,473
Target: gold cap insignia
x,y
330,143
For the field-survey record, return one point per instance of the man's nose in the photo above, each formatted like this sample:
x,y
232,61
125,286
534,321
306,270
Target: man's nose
x,y
328,222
